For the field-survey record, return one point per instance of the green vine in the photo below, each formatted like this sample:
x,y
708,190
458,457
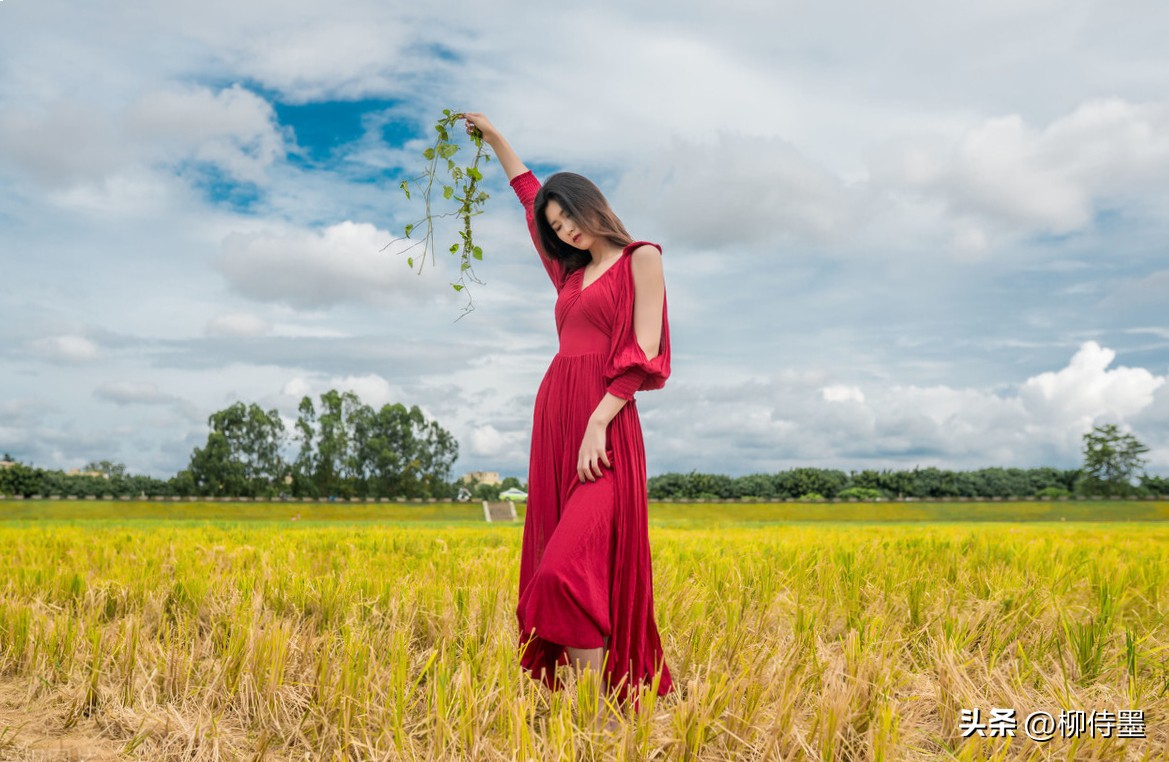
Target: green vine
x,y
463,189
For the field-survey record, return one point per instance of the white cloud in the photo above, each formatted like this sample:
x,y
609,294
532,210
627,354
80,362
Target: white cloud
x,y
796,419
1017,177
488,442
1085,391
64,143
233,128
296,387
309,269
842,393
237,324
739,188
68,348
330,57
372,389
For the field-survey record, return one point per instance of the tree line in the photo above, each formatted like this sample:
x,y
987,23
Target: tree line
x,y
341,447
1111,462
337,447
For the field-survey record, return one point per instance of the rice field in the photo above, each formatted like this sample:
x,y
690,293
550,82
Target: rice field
x,y
134,638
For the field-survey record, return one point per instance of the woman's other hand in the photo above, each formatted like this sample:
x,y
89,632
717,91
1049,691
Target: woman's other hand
x,y
593,453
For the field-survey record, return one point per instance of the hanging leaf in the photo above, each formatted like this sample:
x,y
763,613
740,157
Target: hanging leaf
x,y
461,188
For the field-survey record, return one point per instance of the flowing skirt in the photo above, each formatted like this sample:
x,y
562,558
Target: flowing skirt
x,y
586,577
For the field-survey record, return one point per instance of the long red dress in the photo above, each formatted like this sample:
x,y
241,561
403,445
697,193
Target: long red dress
x,y
585,573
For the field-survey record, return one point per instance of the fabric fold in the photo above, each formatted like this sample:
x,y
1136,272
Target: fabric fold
x,y
628,370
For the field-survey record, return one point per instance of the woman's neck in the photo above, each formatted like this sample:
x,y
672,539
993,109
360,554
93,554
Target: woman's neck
x,y
603,251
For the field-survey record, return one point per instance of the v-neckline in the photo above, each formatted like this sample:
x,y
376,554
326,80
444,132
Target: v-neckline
x,y
584,288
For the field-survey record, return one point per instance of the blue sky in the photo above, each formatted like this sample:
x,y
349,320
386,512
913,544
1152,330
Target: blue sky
x,y
894,235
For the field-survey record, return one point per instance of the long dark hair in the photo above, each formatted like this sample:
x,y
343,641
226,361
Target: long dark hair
x,y
586,205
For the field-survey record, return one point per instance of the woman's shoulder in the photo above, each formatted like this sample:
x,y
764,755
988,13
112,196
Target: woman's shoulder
x,y
640,251
642,254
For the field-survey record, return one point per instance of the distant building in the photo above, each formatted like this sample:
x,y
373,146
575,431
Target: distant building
x,y
91,474
484,477
7,463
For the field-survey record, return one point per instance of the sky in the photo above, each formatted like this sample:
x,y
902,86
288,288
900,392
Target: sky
x,y
895,234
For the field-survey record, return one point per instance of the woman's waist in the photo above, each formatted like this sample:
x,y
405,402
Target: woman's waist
x,y
576,355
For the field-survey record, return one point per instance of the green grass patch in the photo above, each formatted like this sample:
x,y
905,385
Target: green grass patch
x,y
660,514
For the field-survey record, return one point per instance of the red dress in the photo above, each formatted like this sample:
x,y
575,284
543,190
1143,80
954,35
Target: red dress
x,y
585,572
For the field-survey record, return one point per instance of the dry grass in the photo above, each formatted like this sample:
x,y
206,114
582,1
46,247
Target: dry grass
x,y
832,642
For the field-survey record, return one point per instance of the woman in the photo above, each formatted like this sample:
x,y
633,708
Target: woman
x,y
586,583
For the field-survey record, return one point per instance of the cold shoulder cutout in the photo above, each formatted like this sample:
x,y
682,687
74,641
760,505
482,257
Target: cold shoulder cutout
x,y
627,369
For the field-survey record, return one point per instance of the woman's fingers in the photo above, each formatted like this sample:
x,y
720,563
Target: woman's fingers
x,y
589,466
477,121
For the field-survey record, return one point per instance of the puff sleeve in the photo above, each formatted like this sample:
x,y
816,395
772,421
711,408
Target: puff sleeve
x,y
627,369
526,186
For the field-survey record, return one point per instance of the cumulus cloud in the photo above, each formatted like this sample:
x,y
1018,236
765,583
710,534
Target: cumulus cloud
x,y
1012,176
372,389
309,269
233,128
66,349
66,142
1086,390
329,57
796,419
842,393
488,442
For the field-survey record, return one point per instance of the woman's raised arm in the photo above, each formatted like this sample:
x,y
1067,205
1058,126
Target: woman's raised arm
x,y
525,185
507,156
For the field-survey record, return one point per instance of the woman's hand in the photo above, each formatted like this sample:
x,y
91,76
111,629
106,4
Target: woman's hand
x,y
476,120
593,453
508,159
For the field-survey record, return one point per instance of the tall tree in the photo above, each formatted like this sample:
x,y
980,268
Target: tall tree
x,y
215,472
336,466
242,455
304,468
1111,459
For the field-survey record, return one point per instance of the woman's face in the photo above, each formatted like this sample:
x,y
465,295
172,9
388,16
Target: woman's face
x,y
567,229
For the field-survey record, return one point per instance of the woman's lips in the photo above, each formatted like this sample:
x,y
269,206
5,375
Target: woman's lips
x,y
576,238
